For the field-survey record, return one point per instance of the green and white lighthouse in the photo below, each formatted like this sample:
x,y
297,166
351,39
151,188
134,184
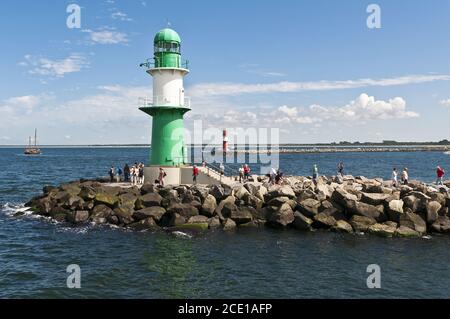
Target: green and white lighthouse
x,y
168,104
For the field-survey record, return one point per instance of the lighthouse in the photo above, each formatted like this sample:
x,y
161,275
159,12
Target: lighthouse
x,y
167,106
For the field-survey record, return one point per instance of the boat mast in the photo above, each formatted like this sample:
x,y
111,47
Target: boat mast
x,y
35,138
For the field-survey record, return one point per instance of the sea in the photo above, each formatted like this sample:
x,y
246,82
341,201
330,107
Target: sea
x,y
35,252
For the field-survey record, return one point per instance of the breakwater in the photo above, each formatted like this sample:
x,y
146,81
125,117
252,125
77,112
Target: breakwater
x,y
351,205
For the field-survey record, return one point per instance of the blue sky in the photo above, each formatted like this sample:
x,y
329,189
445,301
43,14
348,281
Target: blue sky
x,y
313,69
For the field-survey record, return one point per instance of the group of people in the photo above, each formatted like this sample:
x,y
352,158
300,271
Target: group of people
x,y
405,176
244,173
275,176
133,174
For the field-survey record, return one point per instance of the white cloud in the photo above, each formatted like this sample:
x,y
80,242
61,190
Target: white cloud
x,y
107,36
55,67
230,89
289,111
120,16
445,102
365,107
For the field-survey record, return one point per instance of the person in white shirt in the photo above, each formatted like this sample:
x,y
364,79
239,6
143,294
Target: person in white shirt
x,y
394,177
405,176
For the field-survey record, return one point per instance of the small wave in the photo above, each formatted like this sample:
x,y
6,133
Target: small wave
x,y
181,234
11,209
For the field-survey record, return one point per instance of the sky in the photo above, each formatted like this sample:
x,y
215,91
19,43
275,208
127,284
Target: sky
x,y
314,70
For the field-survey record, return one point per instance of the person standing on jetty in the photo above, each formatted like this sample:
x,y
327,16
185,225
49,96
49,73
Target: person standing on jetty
x,y
405,176
394,177
221,170
246,172
119,175
241,173
272,176
194,174
340,168
279,177
133,175
126,173
112,173
315,174
440,175
141,173
161,176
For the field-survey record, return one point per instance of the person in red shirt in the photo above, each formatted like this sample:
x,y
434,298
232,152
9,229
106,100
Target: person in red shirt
x,y
440,175
194,174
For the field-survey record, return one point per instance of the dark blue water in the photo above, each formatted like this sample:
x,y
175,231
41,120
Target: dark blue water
x,y
34,253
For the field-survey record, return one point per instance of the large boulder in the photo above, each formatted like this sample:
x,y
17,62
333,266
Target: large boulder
x,y
78,216
281,216
374,198
432,209
342,226
301,222
197,219
343,197
363,209
240,191
87,192
322,220
416,204
156,212
279,191
185,210
441,225
200,191
71,188
214,222
217,191
125,215
335,213
127,200
176,219
148,200
383,230
438,197
209,206
413,221
100,214
361,223
395,210
107,199
403,231
229,224
241,215
253,201
144,224
309,207
229,199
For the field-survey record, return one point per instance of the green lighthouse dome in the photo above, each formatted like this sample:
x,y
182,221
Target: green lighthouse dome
x,y
167,35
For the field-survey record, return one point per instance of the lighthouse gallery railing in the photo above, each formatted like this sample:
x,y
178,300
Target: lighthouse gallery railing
x,y
164,101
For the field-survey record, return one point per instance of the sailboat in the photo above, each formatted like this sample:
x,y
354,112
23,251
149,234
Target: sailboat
x,y
33,150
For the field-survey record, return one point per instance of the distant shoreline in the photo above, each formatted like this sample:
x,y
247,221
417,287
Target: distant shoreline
x,y
282,148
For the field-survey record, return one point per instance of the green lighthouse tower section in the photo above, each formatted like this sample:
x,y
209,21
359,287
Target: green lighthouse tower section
x,y
167,44
169,104
168,147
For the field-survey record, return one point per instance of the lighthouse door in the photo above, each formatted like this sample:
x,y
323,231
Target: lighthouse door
x,y
181,102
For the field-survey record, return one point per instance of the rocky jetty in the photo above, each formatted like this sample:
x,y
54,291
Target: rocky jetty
x,y
348,205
